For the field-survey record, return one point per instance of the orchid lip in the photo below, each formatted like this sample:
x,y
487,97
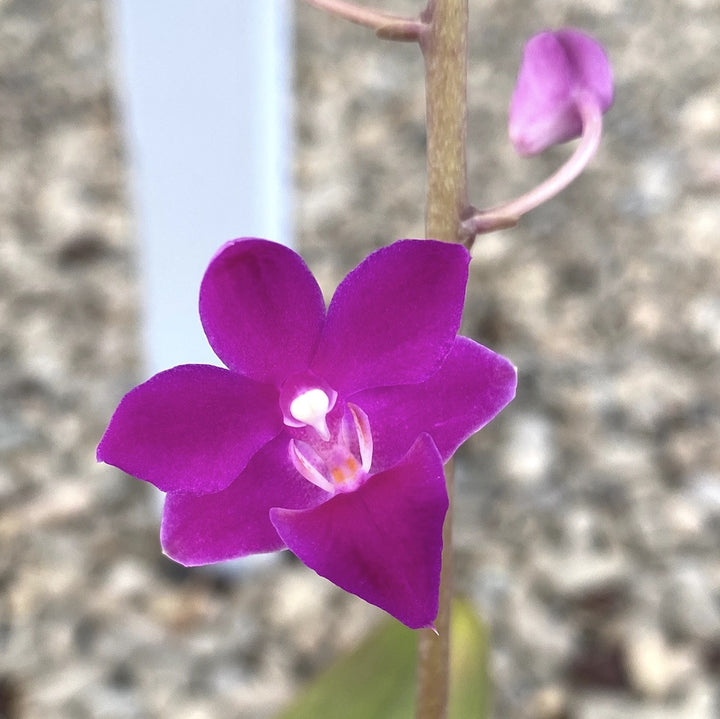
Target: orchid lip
x,y
334,465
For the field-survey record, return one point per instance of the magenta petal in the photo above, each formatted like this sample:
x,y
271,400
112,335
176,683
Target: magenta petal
x,y
192,428
394,317
261,309
382,542
470,388
235,522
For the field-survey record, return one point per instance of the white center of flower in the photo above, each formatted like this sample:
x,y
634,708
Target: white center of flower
x,y
311,408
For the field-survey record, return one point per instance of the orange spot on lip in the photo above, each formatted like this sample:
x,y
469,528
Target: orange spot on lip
x,y
345,471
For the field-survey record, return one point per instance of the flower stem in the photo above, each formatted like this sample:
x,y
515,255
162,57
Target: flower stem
x,y
433,668
508,213
444,46
386,25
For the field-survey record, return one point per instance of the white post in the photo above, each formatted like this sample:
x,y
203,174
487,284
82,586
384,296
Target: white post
x,y
206,104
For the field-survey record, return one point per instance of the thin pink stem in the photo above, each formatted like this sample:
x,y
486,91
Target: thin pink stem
x,y
508,213
386,25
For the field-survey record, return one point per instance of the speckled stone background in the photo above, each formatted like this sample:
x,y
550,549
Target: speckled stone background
x,y
588,533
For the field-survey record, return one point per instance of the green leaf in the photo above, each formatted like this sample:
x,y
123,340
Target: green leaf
x,y
377,680
469,680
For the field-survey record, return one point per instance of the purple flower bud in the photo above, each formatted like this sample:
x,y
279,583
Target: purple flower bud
x,y
560,72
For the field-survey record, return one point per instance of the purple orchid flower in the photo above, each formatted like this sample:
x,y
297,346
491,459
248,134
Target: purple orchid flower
x,y
561,74
328,430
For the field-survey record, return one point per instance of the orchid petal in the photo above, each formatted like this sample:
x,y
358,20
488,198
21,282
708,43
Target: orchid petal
x,y
470,388
235,522
394,317
382,542
192,428
261,309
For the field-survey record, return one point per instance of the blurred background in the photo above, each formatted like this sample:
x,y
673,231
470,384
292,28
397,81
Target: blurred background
x,y
588,530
